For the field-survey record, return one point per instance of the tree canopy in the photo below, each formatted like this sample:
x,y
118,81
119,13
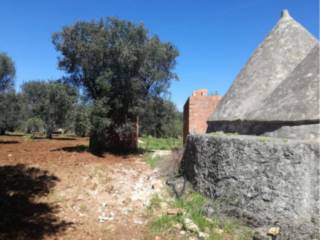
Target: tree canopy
x,y
10,111
9,102
162,119
52,102
7,73
119,65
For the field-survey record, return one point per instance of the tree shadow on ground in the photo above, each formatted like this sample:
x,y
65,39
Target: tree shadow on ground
x,y
54,138
78,149
8,142
85,148
64,138
21,217
14,134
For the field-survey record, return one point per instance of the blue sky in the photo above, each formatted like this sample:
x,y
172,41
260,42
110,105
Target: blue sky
x,y
215,38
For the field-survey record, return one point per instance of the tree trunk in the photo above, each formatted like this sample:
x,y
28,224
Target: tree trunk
x,y
2,131
49,133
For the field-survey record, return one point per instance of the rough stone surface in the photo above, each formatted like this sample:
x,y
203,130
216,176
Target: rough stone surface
x,y
208,210
190,226
265,181
178,185
297,97
272,62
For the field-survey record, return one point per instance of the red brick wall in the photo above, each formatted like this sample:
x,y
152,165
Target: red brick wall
x,y
196,112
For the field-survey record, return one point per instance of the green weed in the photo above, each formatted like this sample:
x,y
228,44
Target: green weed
x,y
217,227
149,143
151,160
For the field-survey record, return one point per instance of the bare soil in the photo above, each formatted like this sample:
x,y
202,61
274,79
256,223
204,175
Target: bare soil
x,y
56,189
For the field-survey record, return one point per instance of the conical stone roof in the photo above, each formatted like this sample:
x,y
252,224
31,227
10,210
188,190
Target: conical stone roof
x,y
297,97
272,62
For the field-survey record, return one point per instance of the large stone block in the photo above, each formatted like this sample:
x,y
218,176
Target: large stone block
x,y
265,181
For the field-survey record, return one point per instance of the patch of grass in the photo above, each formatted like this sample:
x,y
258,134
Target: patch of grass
x,y
149,143
217,227
151,160
264,139
163,223
155,202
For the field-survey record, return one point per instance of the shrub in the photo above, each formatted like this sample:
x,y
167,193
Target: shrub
x,y
34,125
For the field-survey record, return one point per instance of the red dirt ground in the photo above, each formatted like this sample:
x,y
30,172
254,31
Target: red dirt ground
x,y
55,189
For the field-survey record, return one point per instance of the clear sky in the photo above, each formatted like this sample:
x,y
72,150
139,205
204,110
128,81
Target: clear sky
x,y
215,38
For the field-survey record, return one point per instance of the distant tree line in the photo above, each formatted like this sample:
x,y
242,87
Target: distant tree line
x,y
117,73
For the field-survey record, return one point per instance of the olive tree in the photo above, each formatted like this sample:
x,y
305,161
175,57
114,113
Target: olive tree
x,y
51,102
118,64
7,73
9,102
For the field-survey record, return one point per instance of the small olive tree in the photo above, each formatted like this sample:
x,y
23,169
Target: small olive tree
x,y
9,101
7,73
49,101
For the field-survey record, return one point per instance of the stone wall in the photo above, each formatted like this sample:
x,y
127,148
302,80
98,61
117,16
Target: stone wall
x,y
265,181
197,110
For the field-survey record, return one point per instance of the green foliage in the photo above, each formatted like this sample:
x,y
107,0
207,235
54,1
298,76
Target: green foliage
x,y
163,223
218,227
82,121
119,65
9,101
162,119
149,143
34,125
49,101
10,106
151,160
7,73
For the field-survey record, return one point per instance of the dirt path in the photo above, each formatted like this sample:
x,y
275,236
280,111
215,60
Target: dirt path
x,y
55,189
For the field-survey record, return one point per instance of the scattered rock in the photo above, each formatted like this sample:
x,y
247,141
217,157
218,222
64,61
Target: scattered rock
x,y
218,230
138,221
203,235
274,231
190,226
174,211
178,226
178,185
259,236
160,153
157,238
102,218
208,210
193,238
163,205
182,232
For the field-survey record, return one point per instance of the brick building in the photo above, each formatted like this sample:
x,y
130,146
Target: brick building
x,y
196,112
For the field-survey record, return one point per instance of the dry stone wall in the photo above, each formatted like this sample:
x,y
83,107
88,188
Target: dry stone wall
x,y
265,181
